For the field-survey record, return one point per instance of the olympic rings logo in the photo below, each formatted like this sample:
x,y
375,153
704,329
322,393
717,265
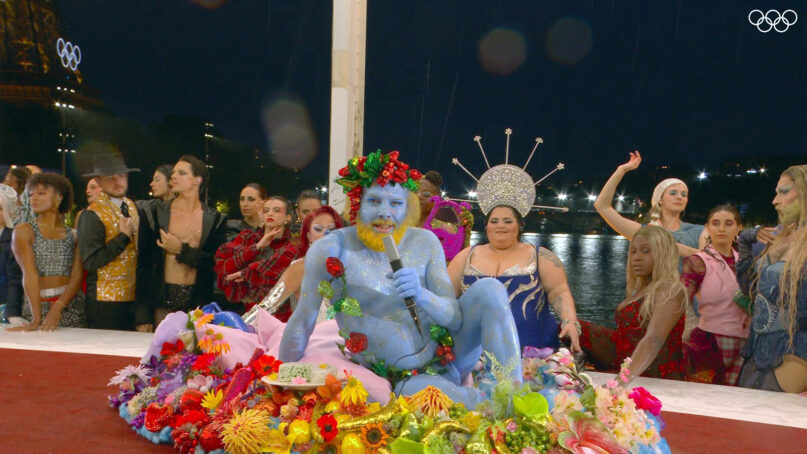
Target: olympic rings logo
x,y
766,22
70,54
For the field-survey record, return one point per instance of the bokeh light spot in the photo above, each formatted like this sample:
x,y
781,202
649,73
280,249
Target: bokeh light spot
x,y
568,41
292,140
502,51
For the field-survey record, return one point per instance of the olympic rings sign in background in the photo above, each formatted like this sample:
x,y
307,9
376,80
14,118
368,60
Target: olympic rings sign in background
x,y
772,20
69,53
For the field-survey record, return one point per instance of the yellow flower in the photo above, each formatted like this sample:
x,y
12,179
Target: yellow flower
x,y
283,439
404,404
471,420
374,407
277,443
353,393
204,320
212,399
246,432
430,401
374,436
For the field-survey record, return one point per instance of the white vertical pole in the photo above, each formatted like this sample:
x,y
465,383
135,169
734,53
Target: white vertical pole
x,y
347,90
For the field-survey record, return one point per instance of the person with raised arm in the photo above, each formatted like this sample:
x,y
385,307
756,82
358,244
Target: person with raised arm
x,y
668,202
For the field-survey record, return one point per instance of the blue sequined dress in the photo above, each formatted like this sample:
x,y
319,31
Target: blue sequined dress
x,y
536,325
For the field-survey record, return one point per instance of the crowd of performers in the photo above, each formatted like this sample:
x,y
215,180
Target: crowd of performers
x,y
715,303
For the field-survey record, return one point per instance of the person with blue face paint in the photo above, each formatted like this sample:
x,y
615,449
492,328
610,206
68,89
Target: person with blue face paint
x,y
382,192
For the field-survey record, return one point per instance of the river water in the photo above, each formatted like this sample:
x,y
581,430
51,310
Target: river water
x,y
595,267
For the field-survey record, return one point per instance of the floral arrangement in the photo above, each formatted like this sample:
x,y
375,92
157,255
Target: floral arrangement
x,y
375,168
356,343
184,397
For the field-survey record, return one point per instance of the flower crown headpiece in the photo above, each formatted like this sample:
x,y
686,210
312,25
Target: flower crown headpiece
x,y
506,184
374,168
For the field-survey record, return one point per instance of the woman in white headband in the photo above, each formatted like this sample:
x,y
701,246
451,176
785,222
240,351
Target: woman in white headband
x,y
669,201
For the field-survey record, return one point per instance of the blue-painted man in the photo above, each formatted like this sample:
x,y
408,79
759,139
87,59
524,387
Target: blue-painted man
x,y
382,196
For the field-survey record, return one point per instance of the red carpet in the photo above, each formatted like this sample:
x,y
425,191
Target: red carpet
x,y
56,403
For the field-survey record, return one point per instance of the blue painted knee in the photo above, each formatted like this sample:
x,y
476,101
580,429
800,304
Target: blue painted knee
x,y
488,294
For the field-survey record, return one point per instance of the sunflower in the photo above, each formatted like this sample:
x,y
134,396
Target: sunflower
x,y
374,436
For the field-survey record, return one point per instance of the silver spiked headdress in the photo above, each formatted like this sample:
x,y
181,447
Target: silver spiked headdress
x,y
506,184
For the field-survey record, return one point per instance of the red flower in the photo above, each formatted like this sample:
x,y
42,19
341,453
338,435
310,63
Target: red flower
x,y
304,413
415,174
335,267
344,171
158,416
327,427
203,362
210,440
172,349
393,155
357,343
191,400
265,365
310,399
194,417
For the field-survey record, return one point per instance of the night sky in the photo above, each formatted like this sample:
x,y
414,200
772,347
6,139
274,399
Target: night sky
x,y
690,82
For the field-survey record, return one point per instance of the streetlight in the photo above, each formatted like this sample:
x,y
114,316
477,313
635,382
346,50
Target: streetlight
x,y
207,135
592,197
472,194
620,198
562,196
702,176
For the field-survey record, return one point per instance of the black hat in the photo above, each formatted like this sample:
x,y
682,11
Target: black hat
x,y
109,164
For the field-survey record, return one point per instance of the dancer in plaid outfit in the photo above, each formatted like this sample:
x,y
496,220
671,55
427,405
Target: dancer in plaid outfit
x,y
713,349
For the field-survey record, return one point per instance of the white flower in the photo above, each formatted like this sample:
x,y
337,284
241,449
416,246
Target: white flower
x,y
201,382
130,372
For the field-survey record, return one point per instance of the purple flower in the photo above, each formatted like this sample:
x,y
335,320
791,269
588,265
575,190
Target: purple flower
x,y
137,421
533,352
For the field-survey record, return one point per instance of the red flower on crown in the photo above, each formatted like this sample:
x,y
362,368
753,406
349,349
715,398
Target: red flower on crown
x,y
375,168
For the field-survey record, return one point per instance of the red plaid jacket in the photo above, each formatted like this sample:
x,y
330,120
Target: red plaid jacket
x,y
259,276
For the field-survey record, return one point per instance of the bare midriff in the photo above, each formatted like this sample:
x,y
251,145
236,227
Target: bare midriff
x,y
187,227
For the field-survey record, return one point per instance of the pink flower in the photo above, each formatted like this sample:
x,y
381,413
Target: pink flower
x,y
611,384
512,426
563,380
528,450
645,400
298,381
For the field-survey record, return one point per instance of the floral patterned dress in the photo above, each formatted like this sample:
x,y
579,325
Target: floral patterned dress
x,y
608,347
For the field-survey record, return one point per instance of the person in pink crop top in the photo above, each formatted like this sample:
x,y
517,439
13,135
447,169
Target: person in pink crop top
x,y
712,351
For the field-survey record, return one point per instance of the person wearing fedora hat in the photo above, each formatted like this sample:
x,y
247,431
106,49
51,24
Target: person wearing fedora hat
x,y
107,238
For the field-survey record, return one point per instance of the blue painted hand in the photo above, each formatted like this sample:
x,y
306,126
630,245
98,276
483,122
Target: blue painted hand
x,y
407,283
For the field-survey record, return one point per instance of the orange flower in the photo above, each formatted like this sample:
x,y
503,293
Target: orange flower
x,y
330,389
374,437
430,401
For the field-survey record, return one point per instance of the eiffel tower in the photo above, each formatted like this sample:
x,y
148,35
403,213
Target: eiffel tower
x,y
30,69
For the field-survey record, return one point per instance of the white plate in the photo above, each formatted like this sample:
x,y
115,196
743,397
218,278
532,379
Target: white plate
x,y
301,387
287,385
